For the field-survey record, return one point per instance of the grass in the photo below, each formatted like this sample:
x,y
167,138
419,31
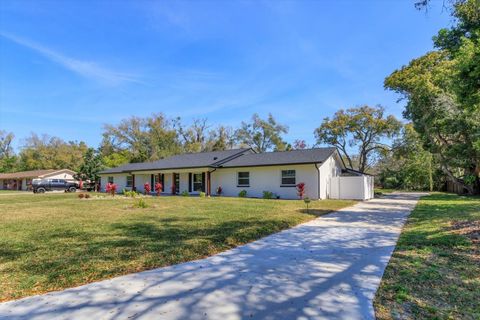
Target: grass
x,y
434,272
54,241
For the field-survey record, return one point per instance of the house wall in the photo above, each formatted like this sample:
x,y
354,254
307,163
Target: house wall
x,y
120,179
266,178
60,175
328,169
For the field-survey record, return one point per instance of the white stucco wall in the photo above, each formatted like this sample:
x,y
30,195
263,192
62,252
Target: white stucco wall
x,y
119,179
328,169
267,178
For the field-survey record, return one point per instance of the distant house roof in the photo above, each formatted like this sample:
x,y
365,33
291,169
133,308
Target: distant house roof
x,y
33,174
182,161
228,159
305,156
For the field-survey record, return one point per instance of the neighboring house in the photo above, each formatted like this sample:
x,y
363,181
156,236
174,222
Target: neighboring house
x,y
23,180
321,169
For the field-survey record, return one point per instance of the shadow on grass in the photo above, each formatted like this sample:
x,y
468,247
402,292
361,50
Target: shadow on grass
x,y
315,212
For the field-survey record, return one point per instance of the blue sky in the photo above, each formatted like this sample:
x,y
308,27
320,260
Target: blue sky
x,y
67,68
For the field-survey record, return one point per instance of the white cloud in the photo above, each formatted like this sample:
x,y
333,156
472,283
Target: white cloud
x,y
85,69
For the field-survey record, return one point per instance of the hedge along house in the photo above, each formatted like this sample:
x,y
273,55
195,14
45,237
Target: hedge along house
x,y
243,169
23,180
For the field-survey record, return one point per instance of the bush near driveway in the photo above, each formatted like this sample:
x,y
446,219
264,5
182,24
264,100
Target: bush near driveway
x,y
55,241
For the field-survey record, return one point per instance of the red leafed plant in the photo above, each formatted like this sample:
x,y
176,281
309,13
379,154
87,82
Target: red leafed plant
x,y
158,188
111,188
147,188
301,190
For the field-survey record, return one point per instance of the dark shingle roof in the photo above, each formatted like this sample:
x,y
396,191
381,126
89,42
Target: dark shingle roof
x,y
229,159
187,160
316,155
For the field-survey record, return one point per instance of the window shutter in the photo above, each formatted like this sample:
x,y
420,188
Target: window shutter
x,y
189,182
151,182
203,181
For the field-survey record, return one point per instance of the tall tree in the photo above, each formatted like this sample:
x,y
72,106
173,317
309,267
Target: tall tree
x,y
8,160
262,135
91,166
194,137
409,166
223,138
358,131
46,152
443,96
299,144
143,139
6,139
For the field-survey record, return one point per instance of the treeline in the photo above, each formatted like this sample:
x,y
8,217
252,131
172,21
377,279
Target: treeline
x,y
137,139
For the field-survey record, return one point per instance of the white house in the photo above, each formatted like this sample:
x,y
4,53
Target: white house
x,y
321,169
23,180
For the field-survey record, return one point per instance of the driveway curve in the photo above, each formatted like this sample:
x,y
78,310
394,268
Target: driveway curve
x,y
328,268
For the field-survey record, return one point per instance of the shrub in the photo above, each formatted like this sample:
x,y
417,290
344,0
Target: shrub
x,y
301,190
111,188
147,188
158,188
87,196
185,193
202,194
242,194
219,190
141,203
81,195
267,195
130,194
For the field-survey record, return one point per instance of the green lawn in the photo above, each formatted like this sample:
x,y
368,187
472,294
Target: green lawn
x,y
54,241
434,272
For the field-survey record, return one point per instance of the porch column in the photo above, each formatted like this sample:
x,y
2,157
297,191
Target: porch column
x,y
209,184
133,182
173,183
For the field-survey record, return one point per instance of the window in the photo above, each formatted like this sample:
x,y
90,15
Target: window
x,y
197,182
110,179
288,177
129,181
243,179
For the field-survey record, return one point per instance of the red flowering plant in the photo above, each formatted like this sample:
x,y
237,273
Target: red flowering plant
x,y
147,188
158,188
111,188
301,190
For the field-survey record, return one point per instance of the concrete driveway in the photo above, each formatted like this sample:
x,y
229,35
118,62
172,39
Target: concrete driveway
x,y
328,268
